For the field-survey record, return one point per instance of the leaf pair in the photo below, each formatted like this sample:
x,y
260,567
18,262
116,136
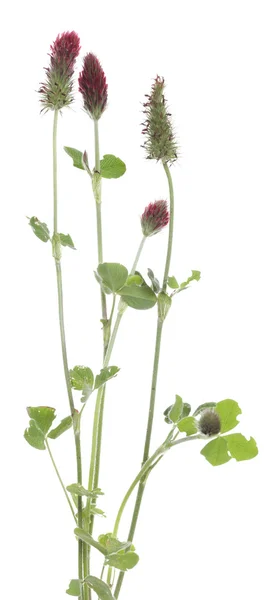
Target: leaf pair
x,y
113,277
41,230
111,167
82,378
119,555
41,419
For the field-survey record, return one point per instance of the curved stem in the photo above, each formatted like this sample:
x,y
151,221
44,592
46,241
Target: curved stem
x,y
63,341
60,479
159,328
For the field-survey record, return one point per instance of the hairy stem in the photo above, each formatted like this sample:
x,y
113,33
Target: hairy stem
x,y
63,339
159,328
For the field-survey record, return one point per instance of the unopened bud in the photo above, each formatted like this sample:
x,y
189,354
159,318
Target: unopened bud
x,y
155,217
93,86
210,423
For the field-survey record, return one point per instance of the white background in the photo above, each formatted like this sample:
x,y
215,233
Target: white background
x,y
201,528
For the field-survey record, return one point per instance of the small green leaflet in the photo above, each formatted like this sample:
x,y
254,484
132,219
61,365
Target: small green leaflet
x,y
173,284
186,410
40,229
111,167
101,589
137,279
228,411
82,378
104,375
140,297
41,418
188,425
240,448
112,544
79,490
122,561
66,240
112,275
77,157
155,283
61,428
216,452
74,588
175,411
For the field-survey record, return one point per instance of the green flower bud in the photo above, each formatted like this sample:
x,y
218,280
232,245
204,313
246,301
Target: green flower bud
x,y
210,423
160,140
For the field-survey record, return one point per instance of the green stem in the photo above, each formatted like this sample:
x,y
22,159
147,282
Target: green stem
x,y
138,254
60,479
63,341
159,328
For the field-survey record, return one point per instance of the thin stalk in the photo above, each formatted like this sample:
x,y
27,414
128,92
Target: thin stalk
x,y
139,251
159,328
60,479
63,340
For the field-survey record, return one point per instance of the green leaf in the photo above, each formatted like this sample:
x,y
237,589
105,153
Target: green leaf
x,y
203,407
101,589
228,410
97,511
113,275
186,410
176,410
79,490
104,375
111,167
240,448
140,297
89,540
216,452
34,436
112,544
189,425
172,283
43,417
77,157
123,562
61,428
66,240
82,378
195,276
155,283
74,588
40,229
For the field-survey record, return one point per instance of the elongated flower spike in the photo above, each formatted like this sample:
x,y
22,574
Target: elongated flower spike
x,y
93,87
155,217
56,92
160,141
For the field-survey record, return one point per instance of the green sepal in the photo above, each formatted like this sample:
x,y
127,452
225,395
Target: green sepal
x,y
189,425
40,229
100,588
204,407
66,240
216,452
74,588
111,167
105,374
228,410
240,448
113,276
77,157
65,424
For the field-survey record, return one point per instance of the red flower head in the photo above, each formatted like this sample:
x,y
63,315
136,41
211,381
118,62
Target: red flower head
x,y
155,217
93,87
56,92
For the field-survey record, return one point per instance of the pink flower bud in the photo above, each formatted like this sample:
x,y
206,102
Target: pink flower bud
x,y
56,92
155,217
93,87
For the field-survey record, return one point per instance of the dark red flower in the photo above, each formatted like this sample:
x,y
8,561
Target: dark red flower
x,y
93,86
155,217
56,92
